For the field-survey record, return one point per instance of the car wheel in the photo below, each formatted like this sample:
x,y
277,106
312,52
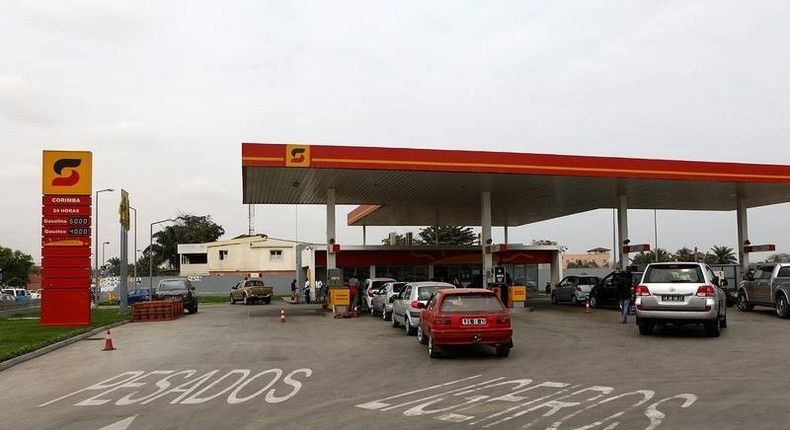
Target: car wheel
x,y
232,300
743,303
194,309
645,327
267,300
593,301
502,351
713,328
782,309
408,329
421,336
245,300
433,351
394,321
723,322
574,300
553,299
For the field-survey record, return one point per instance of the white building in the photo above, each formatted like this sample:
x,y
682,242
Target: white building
x,y
257,255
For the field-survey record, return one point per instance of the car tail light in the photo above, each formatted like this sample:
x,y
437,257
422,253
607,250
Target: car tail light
x,y
706,291
641,290
503,319
442,321
415,304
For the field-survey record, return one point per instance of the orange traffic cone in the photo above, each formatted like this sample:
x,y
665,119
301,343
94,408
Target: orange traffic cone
x,y
587,308
108,342
282,315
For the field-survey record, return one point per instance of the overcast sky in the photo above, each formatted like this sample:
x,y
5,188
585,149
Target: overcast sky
x,y
164,92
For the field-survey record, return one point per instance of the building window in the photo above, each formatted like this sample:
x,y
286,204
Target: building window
x,y
223,254
276,255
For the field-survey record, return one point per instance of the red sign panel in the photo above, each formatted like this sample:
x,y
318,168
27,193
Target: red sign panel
x,y
60,283
66,307
65,251
66,221
51,210
66,241
57,262
759,248
66,272
59,200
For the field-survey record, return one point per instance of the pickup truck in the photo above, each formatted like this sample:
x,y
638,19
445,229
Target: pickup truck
x,y
768,285
251,290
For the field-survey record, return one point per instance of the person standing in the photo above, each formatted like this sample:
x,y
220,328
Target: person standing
x,y
623,294
307,291
353,292
293,291
319,291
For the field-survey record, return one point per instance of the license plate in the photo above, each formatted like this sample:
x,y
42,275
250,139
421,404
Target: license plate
x,y
672,298
473,321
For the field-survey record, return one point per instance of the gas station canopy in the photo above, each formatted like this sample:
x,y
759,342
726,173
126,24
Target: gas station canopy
x,y
415,187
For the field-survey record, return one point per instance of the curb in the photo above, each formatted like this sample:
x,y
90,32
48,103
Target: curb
x,y
49,348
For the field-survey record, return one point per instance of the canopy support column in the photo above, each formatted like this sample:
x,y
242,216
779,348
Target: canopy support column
x,y
622,230
743,235
331,261
488,259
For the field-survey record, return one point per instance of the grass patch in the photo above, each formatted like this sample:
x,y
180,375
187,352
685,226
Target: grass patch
x,y
22,333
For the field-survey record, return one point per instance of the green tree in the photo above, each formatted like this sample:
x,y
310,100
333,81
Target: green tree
x,y
685,254
539,242
642,258
721,255
16,267
579,264
186,229
447,235
400,240
779,258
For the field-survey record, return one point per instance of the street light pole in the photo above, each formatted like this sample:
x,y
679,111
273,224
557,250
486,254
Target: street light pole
x,y
96,246
135,245
151,257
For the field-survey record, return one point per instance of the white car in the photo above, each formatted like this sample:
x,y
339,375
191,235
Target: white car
x,y
20,294
406,305
680,293
369,287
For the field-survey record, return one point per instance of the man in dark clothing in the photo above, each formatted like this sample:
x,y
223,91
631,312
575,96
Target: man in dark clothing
x,y
293,291
623,282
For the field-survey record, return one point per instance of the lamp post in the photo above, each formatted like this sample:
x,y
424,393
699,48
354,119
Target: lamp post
x,y
135,245
151,257
96,245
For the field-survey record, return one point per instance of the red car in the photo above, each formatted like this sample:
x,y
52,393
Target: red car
x,y
465,316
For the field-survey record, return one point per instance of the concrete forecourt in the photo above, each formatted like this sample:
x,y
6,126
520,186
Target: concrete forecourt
x,y
241,367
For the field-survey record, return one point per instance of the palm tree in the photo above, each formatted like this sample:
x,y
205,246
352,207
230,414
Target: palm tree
x,y
685,254
722,255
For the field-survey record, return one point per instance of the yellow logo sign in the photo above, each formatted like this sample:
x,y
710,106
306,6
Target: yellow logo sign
x,y
67,172
123,210
297,155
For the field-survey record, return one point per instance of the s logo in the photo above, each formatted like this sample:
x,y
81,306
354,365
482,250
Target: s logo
x,y
297,156
69,165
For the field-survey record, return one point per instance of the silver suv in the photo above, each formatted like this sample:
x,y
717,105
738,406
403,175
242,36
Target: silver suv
x,y
678,294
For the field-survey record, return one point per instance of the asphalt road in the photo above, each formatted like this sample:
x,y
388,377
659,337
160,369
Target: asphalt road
x,y
240,367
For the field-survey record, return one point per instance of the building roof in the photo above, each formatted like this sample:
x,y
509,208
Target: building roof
x,y
403,187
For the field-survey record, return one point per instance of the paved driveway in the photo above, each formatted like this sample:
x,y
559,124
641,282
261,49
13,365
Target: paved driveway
x,y
239,367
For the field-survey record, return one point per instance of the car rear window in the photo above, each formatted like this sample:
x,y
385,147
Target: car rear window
x,y
172,285
398,287
255,283
425,293
471,303
675,274
588,280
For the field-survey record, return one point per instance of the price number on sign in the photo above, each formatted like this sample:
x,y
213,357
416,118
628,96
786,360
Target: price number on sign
x,y
79,221
78,231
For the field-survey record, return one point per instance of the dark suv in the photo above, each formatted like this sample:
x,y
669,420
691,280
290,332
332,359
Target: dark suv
x,y
178,289
605,293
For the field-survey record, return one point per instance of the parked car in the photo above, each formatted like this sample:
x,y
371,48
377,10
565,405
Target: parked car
x,y
405,306
369,287
251,291
20,294
381,303
768,285
178,289
573,289
35,295
465,316
8,298
678,294
138,295
605,292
